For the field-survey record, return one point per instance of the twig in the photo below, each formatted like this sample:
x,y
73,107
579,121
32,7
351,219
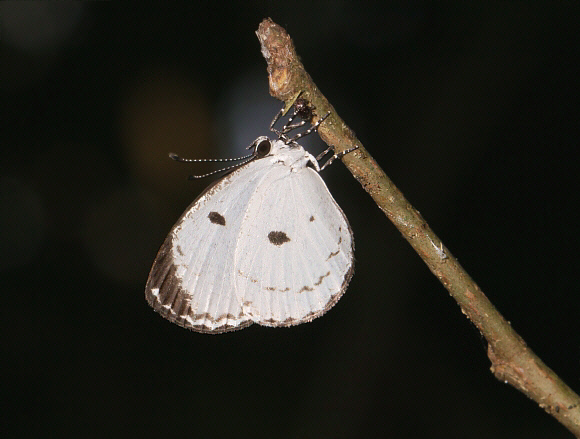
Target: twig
x,y
511,359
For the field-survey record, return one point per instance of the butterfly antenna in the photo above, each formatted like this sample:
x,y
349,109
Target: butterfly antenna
x,y
245,159
194,177
177,158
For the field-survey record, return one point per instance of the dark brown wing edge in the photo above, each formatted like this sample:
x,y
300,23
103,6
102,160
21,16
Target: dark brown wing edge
x,y
173,302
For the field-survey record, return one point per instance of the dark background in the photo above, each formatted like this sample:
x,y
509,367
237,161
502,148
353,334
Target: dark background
x,y
471,110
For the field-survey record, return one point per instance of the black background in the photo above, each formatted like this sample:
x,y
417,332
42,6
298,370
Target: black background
x,y
471,110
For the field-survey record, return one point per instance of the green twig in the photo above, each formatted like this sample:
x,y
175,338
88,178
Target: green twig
x,y
511,359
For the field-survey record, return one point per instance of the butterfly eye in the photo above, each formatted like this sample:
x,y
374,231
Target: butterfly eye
x,y
263,148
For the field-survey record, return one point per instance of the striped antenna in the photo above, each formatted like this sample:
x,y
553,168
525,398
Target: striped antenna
x,y
245,159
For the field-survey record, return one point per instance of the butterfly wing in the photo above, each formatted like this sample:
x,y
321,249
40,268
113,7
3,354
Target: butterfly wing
x,y
294,257
192,279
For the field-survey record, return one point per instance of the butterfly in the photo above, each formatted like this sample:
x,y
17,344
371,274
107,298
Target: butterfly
x,y
267,243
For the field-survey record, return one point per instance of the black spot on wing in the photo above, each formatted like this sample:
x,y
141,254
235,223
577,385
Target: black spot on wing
x,y
278,238
311,218
216,218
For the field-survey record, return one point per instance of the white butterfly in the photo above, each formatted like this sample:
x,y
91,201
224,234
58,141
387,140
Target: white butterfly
x,y
265,244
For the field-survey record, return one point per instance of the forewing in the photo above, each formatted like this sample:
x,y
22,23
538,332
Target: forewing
x,y
294,257
192,279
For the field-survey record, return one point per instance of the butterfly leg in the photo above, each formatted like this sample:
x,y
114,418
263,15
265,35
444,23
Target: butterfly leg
x,y
323,153
312,128
334,156
276,119
299,109
287,128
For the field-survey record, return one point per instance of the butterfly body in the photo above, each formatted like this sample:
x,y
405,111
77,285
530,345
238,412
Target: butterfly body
x,y
265,244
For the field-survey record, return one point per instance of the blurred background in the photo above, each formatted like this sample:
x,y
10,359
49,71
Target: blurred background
x,y
470,107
